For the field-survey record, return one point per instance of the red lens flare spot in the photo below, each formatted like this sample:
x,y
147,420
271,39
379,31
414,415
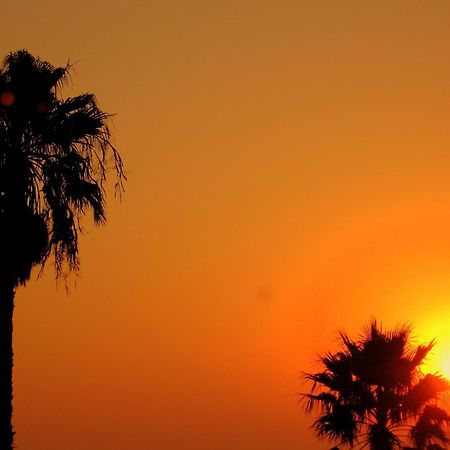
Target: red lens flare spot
x,y
41,107
7,98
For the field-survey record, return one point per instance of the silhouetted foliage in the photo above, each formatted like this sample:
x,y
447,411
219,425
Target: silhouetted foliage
x,y
54,157
372,390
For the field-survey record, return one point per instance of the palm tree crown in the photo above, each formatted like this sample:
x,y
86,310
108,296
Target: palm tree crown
x,y
54,157
372,393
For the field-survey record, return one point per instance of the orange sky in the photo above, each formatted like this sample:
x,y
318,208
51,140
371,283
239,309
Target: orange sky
x,y
288,178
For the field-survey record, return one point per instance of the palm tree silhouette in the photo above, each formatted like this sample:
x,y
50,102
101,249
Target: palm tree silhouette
x,y
372,394
54,157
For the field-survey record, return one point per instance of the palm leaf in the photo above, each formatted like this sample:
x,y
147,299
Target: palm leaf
x,y
430,428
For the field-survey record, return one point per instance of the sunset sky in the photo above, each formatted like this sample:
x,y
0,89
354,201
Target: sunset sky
x,y
288,177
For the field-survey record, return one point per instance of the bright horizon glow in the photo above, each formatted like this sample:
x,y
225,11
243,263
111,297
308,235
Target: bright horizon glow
x,y
438,360
445,364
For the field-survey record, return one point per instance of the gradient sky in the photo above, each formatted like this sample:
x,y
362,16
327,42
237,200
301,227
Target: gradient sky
x,y
288,168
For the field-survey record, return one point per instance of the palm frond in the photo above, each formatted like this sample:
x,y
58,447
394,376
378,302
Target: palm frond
x,y
338,423
430,428
325,400
421,353
426,389
54,159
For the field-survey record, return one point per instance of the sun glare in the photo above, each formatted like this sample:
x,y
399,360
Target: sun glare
x,y
438,360
445,369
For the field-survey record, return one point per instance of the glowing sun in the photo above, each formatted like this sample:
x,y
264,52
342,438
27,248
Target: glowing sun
x,y
438,360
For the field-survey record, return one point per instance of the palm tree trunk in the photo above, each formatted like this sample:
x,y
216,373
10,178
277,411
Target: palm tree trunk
x,y
6,363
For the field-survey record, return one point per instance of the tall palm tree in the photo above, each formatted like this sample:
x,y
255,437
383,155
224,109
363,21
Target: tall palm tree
x,y
54,157
372,394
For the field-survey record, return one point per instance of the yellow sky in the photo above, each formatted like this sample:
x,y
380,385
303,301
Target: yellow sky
x,y
288,178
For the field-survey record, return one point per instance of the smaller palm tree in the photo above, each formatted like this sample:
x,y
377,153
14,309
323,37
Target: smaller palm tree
x,y
371,393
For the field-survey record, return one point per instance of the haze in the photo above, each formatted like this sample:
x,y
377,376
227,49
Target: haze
x,y
287,172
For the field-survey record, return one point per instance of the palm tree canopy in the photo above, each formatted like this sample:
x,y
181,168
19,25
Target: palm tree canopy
x,y
54,158
373,387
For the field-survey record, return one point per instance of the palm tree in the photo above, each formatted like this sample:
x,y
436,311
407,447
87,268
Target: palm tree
x,y
54,157
372,394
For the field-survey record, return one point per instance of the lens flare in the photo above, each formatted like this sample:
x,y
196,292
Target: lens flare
x,y
41,107
7,98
